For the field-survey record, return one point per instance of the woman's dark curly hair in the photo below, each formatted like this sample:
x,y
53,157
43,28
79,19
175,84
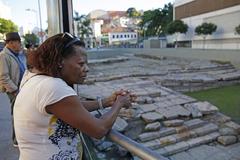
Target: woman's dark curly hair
x,y
51,53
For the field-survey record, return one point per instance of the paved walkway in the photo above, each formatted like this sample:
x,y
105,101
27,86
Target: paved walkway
x,y
7,151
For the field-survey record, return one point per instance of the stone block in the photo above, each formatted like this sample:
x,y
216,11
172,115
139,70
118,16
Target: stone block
x,y
214,135
153,126
120,124
173,123
172,112
164,141
153,144
209,128
167,113
194,123
180,110
196,141
167,131
206,107
144,100
151,117
153,135
219,118
176,148
195,112
147,107
193,134
181,129
233,125
228,131
149,136
182,136
227,140
162,151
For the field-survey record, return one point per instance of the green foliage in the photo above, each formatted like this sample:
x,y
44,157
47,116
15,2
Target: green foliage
x,y
7,26
205,29
154,22
227,99
132,12
237,29
31,39
177,26
83,26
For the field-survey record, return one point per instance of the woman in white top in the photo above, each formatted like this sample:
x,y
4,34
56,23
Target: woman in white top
x,y
48,114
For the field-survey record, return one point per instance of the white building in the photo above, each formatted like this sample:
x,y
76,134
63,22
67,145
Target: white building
x,y
117,38
224,14
96,27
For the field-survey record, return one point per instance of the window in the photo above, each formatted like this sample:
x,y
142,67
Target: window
x,y
113,36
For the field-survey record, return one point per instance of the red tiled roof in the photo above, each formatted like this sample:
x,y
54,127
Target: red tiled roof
x,y
113,14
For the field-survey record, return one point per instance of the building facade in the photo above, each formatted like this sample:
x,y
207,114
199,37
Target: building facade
x,y
223,13
124,38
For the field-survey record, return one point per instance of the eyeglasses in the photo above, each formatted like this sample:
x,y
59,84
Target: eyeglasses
x,y
70,36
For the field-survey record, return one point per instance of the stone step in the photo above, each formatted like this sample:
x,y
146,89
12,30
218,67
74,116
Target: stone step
x,y
156,140
194,123
185,145
147,136
206,129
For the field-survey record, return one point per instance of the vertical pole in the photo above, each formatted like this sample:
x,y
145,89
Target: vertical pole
x,y
40,21
60,16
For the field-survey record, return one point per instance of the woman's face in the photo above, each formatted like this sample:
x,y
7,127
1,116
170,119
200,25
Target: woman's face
x,y
74,68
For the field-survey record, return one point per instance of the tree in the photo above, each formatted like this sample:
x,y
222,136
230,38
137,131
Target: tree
x,y
7,26
177,27
154,22
237,29
204,30
83,26
31,39
132,12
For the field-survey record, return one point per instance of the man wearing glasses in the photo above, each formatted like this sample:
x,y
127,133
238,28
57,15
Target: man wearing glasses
x,y
11,69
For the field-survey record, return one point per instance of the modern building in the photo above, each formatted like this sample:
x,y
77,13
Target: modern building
x,y
223,13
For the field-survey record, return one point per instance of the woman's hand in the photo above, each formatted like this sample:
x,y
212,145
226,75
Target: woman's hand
x,y
124,101
109,101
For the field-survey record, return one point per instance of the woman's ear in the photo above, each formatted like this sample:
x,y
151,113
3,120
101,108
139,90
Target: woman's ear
x,y
60,64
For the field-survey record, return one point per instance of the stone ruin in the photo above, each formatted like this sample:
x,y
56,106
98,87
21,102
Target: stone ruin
x,y
163,119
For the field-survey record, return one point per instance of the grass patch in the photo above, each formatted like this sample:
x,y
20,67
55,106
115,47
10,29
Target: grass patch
x,y
227,99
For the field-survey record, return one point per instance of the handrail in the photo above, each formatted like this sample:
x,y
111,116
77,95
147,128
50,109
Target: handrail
x,y
134,147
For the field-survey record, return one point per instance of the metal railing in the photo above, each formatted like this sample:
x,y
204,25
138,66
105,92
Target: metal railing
x,y
134,147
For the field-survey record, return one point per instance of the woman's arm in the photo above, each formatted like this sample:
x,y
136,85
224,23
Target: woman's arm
x,y
93,105
72,112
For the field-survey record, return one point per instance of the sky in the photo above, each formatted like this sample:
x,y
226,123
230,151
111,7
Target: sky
x,y
24,18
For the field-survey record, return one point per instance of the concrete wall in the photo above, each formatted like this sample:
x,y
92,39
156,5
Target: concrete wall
x,y
154,43
224,38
